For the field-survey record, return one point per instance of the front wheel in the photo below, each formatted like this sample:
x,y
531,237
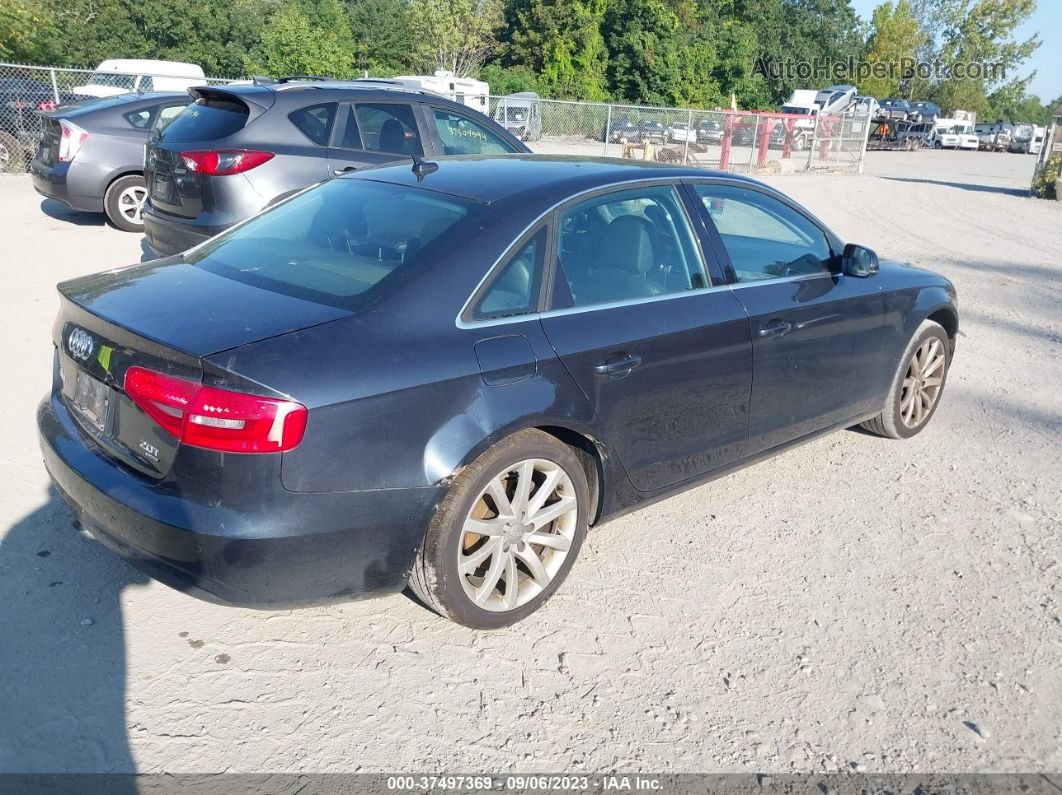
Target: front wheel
x,y
506,534
124,203
917,385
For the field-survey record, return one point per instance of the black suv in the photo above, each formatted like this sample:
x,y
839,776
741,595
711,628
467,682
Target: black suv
x,y
238,148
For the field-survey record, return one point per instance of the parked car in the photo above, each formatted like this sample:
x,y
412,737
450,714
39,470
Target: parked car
x,y
1037,143
954,134
743,132
1021,139
709,131
21,98
621,129
236,149
924,111
91,155
680,132
894,110
389,378
994,137
120,75
653,131
835,99
864,106
521,114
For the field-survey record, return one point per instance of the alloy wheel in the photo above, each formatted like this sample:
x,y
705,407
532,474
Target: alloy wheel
x,y
922,383
517,535
131,203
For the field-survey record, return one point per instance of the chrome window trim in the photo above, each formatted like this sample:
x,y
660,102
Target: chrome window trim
x,y
671,182
578,310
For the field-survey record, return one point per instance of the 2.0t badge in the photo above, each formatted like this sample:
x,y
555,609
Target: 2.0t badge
x,y
80,344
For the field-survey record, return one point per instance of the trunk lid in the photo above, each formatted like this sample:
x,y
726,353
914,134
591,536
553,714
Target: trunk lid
x,y
139,316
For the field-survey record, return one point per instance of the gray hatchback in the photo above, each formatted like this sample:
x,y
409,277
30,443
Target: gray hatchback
x,y
91,155
238,148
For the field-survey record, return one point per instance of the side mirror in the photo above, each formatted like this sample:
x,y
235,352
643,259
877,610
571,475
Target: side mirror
x,y
859,261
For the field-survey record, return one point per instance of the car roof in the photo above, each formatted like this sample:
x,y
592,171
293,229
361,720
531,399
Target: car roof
x,y
94,104
330,89
490,178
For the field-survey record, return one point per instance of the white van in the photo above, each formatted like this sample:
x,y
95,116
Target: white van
x,y
954,134
121,75
465,90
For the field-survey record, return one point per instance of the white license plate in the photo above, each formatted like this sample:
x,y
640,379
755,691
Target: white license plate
x,y
91,397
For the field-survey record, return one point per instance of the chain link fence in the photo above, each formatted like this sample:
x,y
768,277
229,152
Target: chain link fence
x,y
735,141
739,142
25,90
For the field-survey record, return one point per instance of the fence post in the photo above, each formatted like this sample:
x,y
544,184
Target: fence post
x,y
55,87
686,148
754,145
608,130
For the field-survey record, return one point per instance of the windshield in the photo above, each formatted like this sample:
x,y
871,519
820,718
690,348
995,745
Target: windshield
x,y
335,243
112,80
794,109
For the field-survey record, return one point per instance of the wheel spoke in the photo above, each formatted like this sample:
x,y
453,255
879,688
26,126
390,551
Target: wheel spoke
x,y
929,383
496,490
552,512
548,486
494,573
933,366
485,527
524,482
469,563
551,540
512,582
907,411
534,565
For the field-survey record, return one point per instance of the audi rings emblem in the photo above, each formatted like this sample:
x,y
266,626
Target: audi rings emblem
x,y
80,343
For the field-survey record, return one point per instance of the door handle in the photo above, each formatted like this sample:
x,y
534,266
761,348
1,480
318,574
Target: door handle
x,y
345,170
624,365
776,328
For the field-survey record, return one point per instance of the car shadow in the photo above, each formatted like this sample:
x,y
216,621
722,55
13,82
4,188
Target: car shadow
x,y
963,185
60,212
62,704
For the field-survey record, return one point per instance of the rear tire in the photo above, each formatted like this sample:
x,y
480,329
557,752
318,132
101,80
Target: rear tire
x,y
915,391
124,201
496,548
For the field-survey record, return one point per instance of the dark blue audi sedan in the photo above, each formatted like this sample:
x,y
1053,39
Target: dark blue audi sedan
x,y
442,374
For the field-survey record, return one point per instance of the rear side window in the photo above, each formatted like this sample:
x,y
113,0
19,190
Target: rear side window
x,y
139,118
388,128
208,120
315,122
515,288
336,243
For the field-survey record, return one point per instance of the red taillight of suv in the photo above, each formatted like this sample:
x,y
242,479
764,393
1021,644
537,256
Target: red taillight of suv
x,y
45,104
217,419
71,140
222,162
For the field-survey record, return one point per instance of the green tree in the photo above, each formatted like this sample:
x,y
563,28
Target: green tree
x,y
560,41
510,79
381,36
27,31
453,35
644,62
895,41
978,34
306,37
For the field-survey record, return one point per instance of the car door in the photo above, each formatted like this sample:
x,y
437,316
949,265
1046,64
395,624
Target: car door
x,y
374,133
661,351
819,343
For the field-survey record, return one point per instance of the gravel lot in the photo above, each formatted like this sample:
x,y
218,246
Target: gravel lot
x,y
853,604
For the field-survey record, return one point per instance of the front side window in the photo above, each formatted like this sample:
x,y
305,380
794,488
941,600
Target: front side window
x,y
462,136
336,243
515,288
626,245
388,128
765,238
315,121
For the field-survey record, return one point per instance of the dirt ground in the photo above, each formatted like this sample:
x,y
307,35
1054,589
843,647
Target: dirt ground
x,y
854,604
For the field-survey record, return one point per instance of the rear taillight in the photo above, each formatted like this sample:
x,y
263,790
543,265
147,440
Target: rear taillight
x,y
45,104
222,162
71,140
216,419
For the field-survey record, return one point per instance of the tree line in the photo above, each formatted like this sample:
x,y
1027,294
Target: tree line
x,y
688,53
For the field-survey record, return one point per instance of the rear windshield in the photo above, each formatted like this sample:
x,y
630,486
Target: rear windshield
x,y
207,120
335,243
